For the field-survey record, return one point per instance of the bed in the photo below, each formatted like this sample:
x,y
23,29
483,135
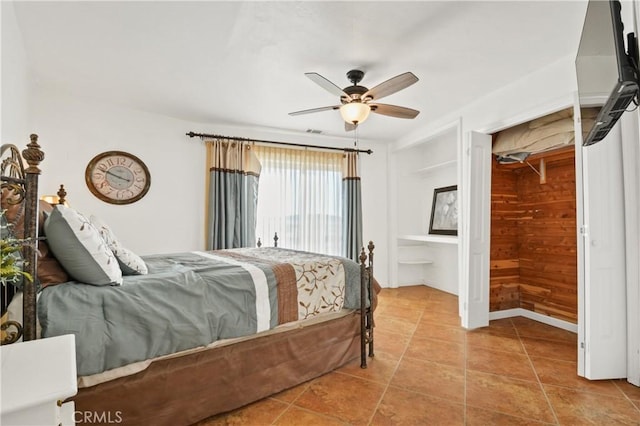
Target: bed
x,y
193,334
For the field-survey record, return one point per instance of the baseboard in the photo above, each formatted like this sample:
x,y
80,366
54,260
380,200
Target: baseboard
x,y
519,312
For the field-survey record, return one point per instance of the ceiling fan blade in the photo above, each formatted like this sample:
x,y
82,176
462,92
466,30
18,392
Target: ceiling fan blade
x,y
391,86
309,111
394,111
327,85
349,127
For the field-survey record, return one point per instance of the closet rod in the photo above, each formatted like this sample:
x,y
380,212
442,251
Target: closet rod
x,y
204,135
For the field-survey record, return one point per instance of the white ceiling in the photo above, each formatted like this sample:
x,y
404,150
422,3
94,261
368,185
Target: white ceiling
x,y
243,63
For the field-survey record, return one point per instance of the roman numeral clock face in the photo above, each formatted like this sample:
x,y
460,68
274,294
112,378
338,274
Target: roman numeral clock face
x,y
117,177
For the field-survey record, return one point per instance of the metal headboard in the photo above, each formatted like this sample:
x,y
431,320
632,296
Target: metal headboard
x,y
23,183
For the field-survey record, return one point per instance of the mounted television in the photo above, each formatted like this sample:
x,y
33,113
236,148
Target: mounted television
x,y
607,73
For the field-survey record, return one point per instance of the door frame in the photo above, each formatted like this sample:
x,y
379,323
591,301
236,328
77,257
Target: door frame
x,y
464,240
633,289
631,159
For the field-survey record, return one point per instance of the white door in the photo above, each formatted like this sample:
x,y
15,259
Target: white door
x,y
476,241
631,165
602,299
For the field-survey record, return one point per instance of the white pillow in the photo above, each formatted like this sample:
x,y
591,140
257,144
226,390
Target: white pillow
x,y
130,263
80,249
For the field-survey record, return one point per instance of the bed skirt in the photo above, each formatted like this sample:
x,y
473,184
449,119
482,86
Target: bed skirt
x,y
184,390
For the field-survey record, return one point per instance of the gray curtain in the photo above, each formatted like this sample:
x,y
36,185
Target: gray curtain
x,y
234,171
352,207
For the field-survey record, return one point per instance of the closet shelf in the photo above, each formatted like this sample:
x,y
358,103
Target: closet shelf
x,y
444,239
430,169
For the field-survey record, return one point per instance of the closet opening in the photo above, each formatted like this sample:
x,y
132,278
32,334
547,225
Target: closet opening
x,y
533,256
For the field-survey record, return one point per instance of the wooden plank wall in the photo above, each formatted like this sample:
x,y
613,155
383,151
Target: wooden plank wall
x,y
547,240
504,275
545,223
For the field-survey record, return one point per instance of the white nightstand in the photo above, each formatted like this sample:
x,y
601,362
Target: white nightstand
x,y
35,376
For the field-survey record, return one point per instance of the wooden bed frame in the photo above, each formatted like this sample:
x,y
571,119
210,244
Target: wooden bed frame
x,y
185,389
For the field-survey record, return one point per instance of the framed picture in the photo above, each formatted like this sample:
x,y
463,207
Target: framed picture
x,y
444,211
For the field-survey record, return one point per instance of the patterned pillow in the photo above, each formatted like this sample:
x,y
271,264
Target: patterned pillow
x,y
130,263
78,246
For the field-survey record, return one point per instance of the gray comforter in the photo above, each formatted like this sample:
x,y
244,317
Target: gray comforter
x,y
192,299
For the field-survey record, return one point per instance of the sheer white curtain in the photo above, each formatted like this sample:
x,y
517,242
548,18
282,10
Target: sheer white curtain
x,y
300,198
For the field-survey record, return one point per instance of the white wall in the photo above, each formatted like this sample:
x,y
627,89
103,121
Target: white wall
x,y
418,170
72,131
374,206
525,98
14,88
170,217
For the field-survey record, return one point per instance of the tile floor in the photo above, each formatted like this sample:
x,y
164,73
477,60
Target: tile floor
x,y
429,371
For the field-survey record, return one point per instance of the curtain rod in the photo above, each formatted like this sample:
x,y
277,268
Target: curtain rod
x,y
204,135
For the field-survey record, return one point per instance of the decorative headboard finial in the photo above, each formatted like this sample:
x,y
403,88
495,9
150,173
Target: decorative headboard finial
x,y
33,155
61,195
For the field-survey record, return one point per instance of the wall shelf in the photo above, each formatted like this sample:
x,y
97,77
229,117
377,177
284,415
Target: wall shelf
x,y
416,170
416,262
430,238
430,169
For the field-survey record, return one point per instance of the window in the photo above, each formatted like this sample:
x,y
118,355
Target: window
x,y
300,198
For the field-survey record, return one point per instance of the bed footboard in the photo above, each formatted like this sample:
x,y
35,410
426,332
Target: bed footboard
x,y
366,304
366,300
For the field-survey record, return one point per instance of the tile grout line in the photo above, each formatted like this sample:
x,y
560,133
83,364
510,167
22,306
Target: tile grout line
x,y
637,407
292,403
499,375
395,370
289,405
522,331
546,397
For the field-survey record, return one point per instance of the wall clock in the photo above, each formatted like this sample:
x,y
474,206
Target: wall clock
x,y
117,177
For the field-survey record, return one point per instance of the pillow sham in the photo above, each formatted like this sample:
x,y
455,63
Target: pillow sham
x,y
130,263
49,270
78,246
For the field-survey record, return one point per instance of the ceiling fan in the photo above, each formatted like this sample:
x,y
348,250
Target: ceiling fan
x,y
357,101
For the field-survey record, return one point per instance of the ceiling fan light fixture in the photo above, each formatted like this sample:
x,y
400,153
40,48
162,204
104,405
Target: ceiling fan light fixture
x,y
355,112
354,100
